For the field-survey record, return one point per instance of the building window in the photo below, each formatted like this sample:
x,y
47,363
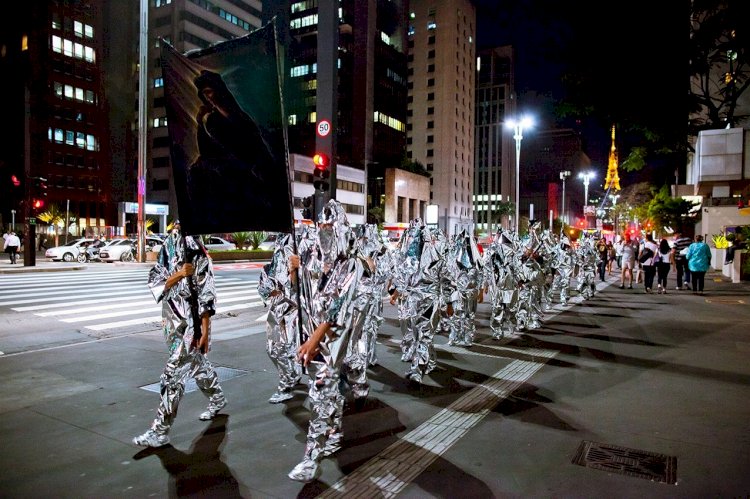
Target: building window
x,y
431,54
430,153
430,139
430,68
430,110
160,184
431,82
431,40
431,96
430,124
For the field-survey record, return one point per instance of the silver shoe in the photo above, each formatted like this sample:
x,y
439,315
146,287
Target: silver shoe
x,y
151,439
280,396
212,410
306,471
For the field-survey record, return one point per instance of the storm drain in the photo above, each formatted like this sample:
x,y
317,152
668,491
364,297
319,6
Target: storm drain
x,y
624,461
224,373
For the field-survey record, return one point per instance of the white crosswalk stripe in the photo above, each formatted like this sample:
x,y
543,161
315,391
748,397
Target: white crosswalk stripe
x,y
93,299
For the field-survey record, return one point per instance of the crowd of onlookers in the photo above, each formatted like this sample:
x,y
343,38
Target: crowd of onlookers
x,y
643,260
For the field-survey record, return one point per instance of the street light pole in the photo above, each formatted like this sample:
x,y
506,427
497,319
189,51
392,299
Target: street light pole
x,y
614,198
563,175
587,176
518,127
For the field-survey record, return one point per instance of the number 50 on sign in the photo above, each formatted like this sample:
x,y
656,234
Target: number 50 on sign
x,y
324,128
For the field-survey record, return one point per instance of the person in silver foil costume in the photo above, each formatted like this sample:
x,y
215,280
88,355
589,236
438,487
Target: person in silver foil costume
x,y
372,288
337,320
564,263
417,288
464,268
586,256
501,282
282,323
183,281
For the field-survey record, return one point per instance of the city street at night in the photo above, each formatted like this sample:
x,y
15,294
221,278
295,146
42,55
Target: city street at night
x,y
627,394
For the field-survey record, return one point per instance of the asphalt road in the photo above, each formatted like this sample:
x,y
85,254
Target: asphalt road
x,y
624,395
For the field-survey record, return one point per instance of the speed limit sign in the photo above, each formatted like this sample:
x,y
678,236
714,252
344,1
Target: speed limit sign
x,y
324,128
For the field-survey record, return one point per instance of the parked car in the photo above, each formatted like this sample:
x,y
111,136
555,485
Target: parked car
x,y
121,250
67,252
215,243
269,243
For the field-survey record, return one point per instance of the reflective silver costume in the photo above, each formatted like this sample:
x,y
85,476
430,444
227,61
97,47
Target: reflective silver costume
x,y
183,304
417,280
564,264
464,269
282,324
586,256
501,280
372,288
338,321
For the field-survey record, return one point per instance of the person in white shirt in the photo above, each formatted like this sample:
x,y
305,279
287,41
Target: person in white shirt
x,y
649,268
12,243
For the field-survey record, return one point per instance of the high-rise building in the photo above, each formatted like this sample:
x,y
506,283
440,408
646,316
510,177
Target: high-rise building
x,y
55,114
494,167
440,132
370,124
187,25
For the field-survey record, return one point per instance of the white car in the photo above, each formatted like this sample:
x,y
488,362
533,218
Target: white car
x,y
119,250
214,243
67,252
269,243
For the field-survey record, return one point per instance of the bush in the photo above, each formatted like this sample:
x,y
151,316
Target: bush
x,y
241,239
256,238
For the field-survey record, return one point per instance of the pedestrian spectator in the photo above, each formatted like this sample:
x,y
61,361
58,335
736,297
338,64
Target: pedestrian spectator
x,y
618,251
611,256
628,261
183,281
646,258
12,243
681,243
663,264
699,260
602,255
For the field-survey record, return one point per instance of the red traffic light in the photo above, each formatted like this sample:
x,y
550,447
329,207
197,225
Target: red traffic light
x,y
321,161
38,204
16,181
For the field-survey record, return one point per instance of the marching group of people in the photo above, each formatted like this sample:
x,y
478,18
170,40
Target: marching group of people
x,y
325,287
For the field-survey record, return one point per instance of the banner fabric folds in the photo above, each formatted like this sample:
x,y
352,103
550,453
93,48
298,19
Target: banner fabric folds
x,y
226,130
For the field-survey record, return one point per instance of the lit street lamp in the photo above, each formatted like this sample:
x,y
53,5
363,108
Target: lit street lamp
x,y
586,177
518,127
563,175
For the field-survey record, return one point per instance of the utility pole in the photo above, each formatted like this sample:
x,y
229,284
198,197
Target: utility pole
x,y
142,128
326,107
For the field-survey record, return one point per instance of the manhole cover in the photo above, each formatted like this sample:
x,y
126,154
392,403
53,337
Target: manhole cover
x,y
624,461
224,373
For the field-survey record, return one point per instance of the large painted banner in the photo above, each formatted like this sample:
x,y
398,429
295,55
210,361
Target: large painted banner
x,y
226,128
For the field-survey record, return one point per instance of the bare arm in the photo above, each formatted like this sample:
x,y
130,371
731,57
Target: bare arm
x,y
309,349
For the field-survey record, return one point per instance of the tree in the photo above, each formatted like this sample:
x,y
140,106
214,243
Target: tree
x,y
719,49
668,212
55,217
503,210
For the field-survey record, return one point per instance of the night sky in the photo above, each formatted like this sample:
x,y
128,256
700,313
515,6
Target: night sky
x,y
634,53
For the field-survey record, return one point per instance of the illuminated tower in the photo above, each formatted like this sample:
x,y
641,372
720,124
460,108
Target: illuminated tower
x,y
613,179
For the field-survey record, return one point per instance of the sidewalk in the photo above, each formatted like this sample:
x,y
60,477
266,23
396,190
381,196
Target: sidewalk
x,y
648,394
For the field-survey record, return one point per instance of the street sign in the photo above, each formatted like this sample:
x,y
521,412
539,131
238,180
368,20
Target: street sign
x,y
324,128
32,220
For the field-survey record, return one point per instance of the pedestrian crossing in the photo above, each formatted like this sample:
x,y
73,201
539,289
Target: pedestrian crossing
x,y
108,299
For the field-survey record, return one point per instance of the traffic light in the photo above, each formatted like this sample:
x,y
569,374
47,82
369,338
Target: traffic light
x,y
40,186
322,171
307,207
37,203
15,181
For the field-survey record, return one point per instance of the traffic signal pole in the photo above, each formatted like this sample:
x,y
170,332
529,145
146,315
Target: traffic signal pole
x,y
326,96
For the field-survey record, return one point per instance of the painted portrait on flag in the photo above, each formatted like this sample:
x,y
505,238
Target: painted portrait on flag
x,y
228,152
